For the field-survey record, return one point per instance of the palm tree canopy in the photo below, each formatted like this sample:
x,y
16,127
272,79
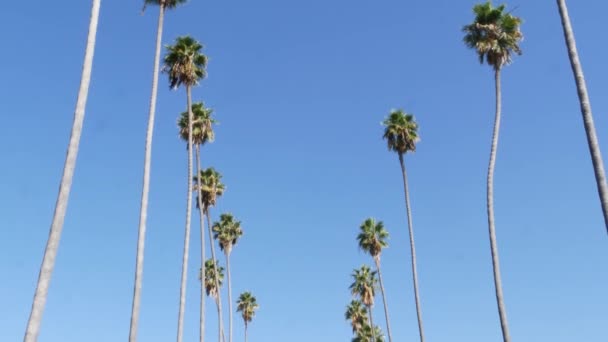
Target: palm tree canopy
x,y
167,3
364,284
184,62
202,124
365,334
246,305
227,231
356,314
211,187
373,236
494,34
400,132
210,276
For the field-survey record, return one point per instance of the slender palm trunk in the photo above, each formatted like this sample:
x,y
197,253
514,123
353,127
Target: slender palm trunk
x,y
199,198
581,85
182,292
412,248
61,205
502,312
371,322
388,326
143,211
245,331
220,320
229,294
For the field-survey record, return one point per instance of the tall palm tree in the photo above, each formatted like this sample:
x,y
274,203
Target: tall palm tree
x,y
372,239
185,64
364,287
366,334
212,277
61,205
356,313
228,231
211,187
585,103
143,211
246,305
401,135
202,132
495,36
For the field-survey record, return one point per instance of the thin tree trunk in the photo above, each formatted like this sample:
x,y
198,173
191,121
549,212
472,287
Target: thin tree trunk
x,y
61,205
388,326
502,312
229,295
412,248
583,96
182,292
245,331
202,226
371,323
143,211
220,320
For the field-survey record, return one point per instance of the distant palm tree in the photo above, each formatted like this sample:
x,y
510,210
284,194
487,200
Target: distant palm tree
x,y
372,239
228,231
143,212
185,64
366,334
202,132
581,85
401,135
356,313
211,187
364,287
246,305
213,276
495,36
61,206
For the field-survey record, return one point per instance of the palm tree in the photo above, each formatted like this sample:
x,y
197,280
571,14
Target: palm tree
x,y
364,286
228,231
356,313
143,212
401,135
212,278
211,187
583,96
366,334
495,36
246,305
185,64
61,205
202,132
372,239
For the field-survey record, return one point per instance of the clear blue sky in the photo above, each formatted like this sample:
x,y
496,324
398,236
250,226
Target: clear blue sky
x,y
300,89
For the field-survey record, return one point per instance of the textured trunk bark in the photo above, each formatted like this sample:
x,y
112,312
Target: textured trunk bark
x,y
202,226
220,320
502,312
229,295
143,212
583,96
388,326
61,205
184,278
410,226
371,323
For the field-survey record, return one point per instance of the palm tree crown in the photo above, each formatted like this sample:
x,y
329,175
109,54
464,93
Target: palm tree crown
x,y
184,62
372,237
364,285
227,231
494,34
365,335
356,314
170,4
202,130
211,187
210,277
401,132
246,305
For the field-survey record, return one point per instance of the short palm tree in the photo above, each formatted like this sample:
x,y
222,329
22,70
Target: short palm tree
x,y
583,96
372,239
356,313
495,36
202,132
143,211
366,334
228,232
364,287
401,135
246,305
213,275
185,64
61,205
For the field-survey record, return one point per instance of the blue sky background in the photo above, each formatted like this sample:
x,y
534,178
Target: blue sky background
x,y
300,89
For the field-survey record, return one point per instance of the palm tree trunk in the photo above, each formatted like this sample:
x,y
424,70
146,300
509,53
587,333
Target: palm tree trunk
x,y
220,320
143,211
229,295
182,292
492,229
202,226
388,326
245,331
220,330
592,141
371,322
52,245
412,248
